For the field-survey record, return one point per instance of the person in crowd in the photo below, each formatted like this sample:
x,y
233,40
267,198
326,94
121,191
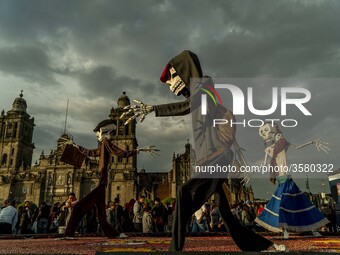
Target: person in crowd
x,y
55,214
159,214
252,213
69,204
215,218
200,220
260,209
235,212
110,214
138,214
83,225
329,213
147,221
43,218
168,225
91,221
25,219
128,216
8,217
239,209
245,216
118,219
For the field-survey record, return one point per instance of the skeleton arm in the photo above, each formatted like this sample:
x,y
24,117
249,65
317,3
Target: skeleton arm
x,y
319,145
164,110
82,150
138,110
152,150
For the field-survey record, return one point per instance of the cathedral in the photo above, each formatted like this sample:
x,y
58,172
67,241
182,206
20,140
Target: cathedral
x,y
51,180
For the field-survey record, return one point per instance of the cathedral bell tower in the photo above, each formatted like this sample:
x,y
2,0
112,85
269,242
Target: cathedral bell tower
x,y
123,171
16,132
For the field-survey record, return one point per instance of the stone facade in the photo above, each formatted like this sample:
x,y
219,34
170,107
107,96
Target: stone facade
x,y
51,180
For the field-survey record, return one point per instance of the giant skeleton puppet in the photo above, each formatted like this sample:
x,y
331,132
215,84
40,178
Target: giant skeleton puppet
x,y
96,198
288,209
196,191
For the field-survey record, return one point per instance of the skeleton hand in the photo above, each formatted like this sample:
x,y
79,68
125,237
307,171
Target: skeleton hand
x,y
140,110
320,145
150,149
245,180
65,141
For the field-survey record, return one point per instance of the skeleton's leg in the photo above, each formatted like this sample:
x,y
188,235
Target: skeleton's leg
x,y
81,208
285,234
245,239
190,197
108,229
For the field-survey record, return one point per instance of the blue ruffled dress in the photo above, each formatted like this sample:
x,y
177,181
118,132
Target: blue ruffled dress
x,y
289,208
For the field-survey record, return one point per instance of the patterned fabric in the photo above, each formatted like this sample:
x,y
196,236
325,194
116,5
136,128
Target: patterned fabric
x,y
290,208
279,146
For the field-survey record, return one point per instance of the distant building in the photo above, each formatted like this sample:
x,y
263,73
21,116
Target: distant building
x,y
51,180
334,184
16,149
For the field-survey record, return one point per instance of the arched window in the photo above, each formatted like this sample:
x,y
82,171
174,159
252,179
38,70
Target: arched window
x,y
4,159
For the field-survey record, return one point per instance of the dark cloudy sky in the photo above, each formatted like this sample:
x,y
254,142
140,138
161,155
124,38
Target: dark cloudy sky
x,y
91,51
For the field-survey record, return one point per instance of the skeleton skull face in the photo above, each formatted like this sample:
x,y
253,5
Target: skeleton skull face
x,y
267,132
278,136
105,132
175,82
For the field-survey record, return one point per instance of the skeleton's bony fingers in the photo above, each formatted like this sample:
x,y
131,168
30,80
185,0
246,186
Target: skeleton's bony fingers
x,y
126,113
142,117
153,153
131,118
135,107
137,101
325,148
244,181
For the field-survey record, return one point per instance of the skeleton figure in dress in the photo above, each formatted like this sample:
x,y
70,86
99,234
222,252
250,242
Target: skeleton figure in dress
x,y
288,209
276,146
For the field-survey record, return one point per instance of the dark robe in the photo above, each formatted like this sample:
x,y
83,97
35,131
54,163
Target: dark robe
x,y
196,191
97,196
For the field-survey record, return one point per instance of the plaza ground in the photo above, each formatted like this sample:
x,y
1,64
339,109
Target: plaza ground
x,y
151,244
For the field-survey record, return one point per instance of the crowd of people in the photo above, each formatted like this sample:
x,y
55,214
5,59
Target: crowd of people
x,y
141,215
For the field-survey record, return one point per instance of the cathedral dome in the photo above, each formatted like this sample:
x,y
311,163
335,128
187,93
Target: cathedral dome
x,y
19,104
123,100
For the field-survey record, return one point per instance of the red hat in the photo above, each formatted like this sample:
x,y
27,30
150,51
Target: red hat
x,y
166,74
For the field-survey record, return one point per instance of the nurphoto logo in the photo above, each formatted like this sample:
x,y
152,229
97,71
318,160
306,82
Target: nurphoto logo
x,y
283,96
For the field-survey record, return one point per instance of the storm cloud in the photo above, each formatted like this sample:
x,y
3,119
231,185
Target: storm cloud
x,y
91,51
